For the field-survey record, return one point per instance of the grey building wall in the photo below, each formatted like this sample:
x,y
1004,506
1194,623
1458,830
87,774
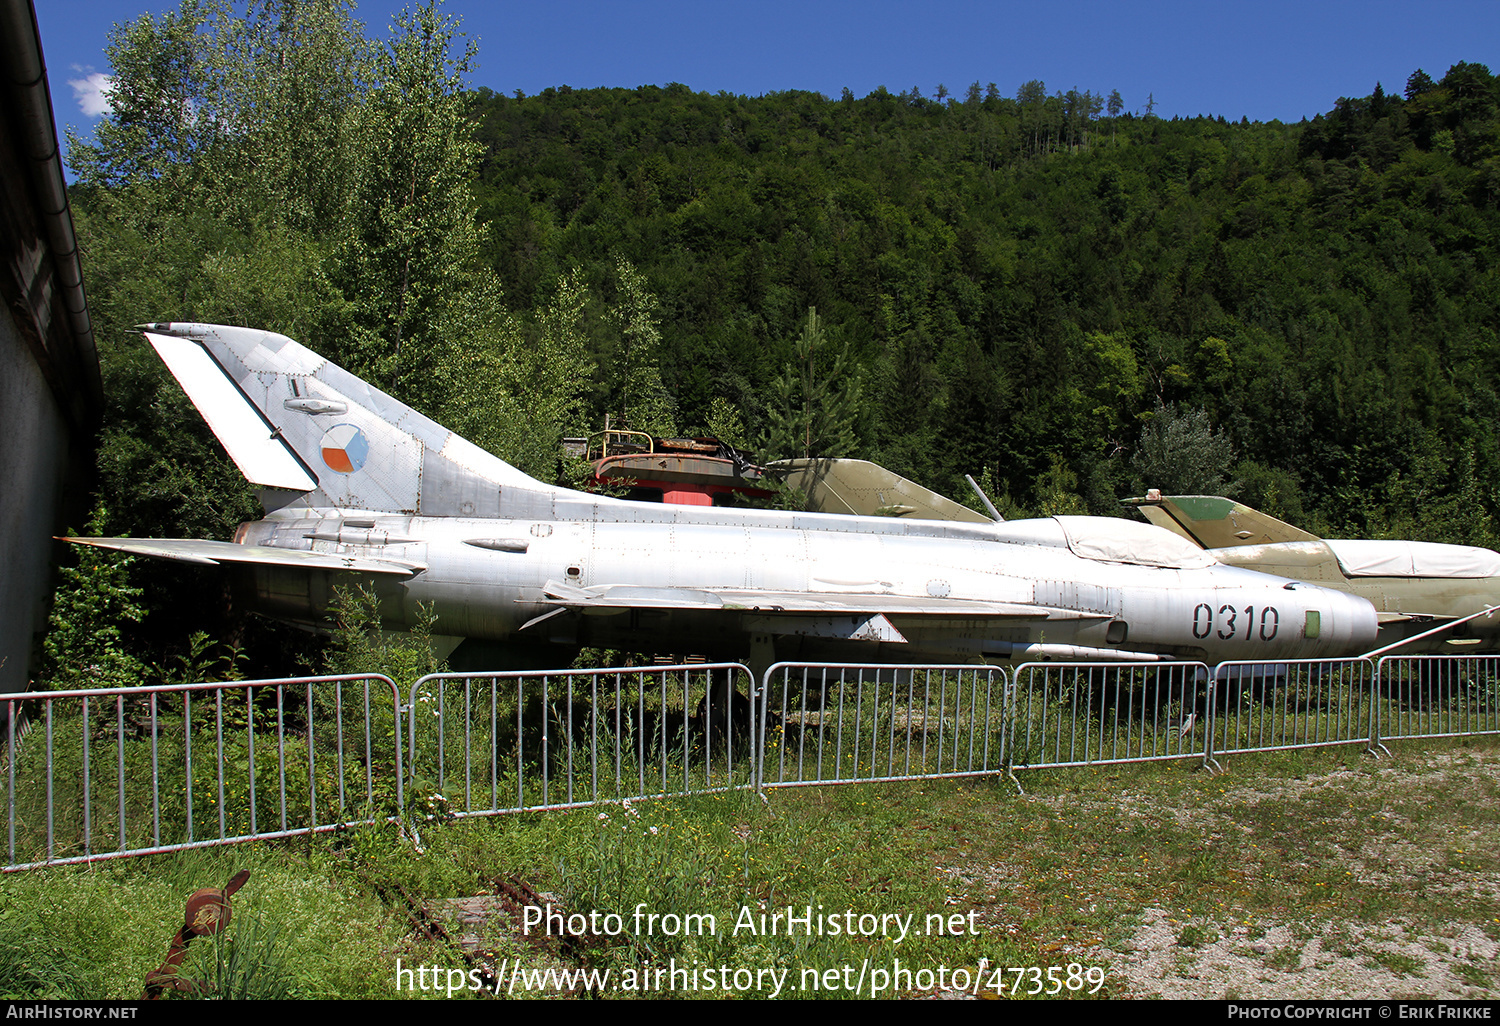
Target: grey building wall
x,y
50,391
35,438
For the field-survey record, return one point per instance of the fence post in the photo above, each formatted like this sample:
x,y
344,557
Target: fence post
x,y
760,704
1210,720
1007,727
1377,700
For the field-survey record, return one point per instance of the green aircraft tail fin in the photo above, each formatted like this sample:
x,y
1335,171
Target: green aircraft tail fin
x,y
1215,522
867,489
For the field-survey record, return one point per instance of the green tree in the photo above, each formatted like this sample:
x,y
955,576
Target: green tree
x,y
157,91
516,386
1116,384
1032,98
545,372
250,107
267,166
221,164
814,400
406,260
362,645
1057,491
643,402
725,422
85,646
1417,83
1181,454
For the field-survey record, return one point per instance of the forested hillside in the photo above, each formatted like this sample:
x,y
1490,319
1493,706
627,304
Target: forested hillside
x,y
1068,301
1023,284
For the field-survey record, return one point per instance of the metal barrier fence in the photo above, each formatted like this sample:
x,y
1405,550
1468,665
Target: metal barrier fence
x,y
829,723
1302,703
104,773
1076,714
482,744
1437,696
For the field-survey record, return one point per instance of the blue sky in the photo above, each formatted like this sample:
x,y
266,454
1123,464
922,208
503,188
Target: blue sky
x,y
1264,60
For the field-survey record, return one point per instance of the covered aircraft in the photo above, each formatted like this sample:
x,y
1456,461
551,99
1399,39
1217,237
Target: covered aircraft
x,y
358,485
1414,586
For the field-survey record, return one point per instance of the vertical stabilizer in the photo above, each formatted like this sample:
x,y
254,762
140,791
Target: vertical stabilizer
x,y
308,433
867,489
1215,522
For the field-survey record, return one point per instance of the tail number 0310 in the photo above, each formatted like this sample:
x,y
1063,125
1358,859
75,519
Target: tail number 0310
x,y
1229,619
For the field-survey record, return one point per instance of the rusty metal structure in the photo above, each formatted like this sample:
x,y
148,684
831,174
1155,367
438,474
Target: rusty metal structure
x,y
702,471
208,912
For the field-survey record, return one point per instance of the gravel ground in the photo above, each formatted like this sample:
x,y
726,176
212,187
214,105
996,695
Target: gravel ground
x,y
1340,961
1171,957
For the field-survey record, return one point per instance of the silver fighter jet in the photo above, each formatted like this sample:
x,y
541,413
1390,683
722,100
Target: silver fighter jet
x,y
358,485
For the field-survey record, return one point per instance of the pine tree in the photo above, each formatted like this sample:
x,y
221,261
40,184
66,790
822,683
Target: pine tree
x,y
815,399
644,403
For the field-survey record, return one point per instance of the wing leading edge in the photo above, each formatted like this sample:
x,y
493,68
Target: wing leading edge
x,y
212,553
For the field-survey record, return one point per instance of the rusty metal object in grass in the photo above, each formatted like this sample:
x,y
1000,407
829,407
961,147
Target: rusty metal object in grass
x,y
208,912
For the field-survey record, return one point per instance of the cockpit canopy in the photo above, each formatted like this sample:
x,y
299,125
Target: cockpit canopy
x,y
1127,541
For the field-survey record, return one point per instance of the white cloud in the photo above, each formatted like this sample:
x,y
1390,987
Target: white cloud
x,y
92,93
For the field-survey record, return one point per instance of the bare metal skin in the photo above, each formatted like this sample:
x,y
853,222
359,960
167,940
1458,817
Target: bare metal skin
x,y
358,484
1414,586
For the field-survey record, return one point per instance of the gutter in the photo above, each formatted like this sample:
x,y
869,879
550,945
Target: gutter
x,y
35,142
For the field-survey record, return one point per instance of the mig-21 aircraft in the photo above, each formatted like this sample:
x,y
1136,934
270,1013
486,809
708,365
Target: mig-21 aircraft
x,y
358,485
1414,586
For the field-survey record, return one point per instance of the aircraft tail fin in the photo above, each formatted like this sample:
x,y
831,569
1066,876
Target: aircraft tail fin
x,y
307,432
867,489
1215,522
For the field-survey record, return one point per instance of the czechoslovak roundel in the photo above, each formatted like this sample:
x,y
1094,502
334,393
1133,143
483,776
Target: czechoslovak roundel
x,y
345,448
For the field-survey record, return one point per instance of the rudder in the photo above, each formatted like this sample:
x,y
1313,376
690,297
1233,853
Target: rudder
x,y
306,432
